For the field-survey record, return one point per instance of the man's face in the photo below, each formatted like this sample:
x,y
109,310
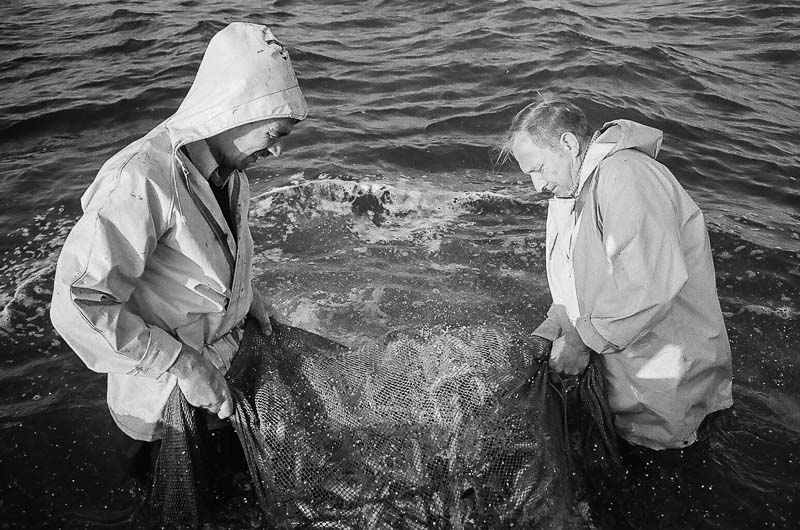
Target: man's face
x,y
242,146
550,168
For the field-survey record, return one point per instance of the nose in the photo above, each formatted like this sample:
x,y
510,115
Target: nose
x,y
276,148
538,183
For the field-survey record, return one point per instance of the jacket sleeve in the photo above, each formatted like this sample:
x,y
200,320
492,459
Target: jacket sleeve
x,y
641,241
552,327
103,257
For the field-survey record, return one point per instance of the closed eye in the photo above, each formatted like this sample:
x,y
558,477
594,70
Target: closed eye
x,y
278,133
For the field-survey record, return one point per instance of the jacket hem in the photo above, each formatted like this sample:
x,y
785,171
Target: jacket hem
x,y
658,445
150,435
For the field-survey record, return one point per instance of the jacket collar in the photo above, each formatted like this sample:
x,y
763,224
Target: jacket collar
x,y
200,155
615,136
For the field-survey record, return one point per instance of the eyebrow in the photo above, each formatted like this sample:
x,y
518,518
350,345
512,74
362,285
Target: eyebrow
x,y
531,170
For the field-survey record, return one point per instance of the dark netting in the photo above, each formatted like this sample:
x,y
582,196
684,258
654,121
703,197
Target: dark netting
x,y
457,428
599,447
179,479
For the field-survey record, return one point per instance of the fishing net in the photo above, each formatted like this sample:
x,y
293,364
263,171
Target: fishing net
x,y
457,428
180,474
597,443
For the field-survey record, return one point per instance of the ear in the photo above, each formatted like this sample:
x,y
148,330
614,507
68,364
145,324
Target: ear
x,y
570,142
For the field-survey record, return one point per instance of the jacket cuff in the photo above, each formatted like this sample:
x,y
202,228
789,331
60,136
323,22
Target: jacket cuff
x,y
592,338
549,329
162,351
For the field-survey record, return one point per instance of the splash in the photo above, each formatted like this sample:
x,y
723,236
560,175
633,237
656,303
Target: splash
x,y
378,212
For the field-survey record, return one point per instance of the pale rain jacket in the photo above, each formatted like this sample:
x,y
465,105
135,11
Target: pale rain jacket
x,y
631,263
152,263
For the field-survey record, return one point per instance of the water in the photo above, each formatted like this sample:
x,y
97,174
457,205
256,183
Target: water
x,y
406,100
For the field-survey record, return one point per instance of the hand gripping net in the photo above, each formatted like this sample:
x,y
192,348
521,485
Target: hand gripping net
x,y
442,429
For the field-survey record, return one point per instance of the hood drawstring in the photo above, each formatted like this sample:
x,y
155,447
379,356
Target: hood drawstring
x,y
576,187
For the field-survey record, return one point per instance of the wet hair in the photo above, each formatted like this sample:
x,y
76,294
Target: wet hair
x,y
544,122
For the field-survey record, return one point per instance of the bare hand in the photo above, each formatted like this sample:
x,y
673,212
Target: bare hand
x,y
201,383
262,310
569,354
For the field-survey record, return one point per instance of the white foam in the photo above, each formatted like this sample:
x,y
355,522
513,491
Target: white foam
x,y
420,215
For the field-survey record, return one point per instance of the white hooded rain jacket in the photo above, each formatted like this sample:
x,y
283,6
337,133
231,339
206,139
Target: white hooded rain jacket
x,y
629,260
152,263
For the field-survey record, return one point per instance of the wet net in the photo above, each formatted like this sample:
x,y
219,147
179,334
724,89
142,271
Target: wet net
x,y
458,428
180,477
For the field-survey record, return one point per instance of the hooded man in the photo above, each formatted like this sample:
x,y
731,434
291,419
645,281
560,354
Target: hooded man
x,y
154,280
630,271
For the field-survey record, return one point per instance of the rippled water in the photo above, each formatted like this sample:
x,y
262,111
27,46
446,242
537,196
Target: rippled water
x,y
406,100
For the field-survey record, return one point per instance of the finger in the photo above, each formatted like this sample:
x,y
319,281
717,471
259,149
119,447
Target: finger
x,y
576,369
541,349
226,410
266,326
554,365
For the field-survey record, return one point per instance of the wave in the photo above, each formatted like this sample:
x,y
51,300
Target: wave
x,y
782,57
24,317
132,45
381,200
82,116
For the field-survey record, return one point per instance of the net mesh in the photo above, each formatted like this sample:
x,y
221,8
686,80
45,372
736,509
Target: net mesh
x,y
598,445
457,428
180,475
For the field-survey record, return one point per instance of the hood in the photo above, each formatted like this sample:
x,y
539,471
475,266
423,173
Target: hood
x,y
245,76
618,135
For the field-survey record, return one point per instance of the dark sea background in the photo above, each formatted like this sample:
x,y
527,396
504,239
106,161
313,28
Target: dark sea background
x,y
407,101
